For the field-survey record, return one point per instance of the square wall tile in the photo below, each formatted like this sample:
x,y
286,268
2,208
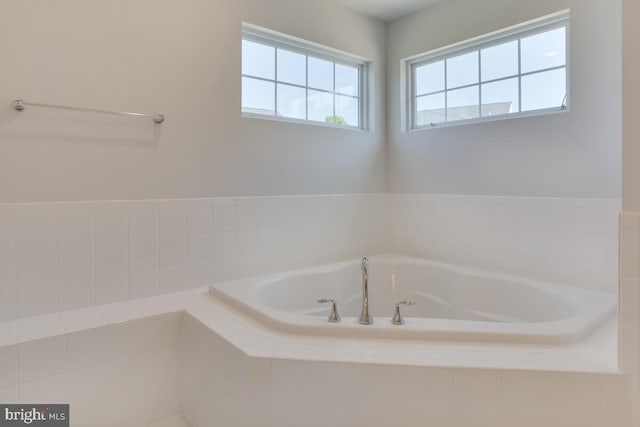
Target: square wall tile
x,y
576,396
36,298
224,218
112,287
143,253
200,247
33,366
429,391
173,278
373,379
112,257
293,382
75,224
89,384
8,366
173,222
200,220
86,348
35,226
617,399
111,221
173,251
477,392
126,339
7,229
143,282
74,293
51,390
247,216
526,394
143,220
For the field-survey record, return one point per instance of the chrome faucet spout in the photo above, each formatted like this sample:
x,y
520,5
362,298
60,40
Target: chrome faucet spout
x,y
365,315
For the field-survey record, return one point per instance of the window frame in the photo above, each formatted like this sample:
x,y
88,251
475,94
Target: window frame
x,y
556,20
277,40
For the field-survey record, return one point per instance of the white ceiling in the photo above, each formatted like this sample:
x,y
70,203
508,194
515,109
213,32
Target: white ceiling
x,y
387,10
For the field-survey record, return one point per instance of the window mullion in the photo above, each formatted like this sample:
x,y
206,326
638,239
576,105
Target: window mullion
x,y
479,84
519,75
275,85
334,93
446,93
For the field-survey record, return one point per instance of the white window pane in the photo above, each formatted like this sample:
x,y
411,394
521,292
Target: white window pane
x,y
258,60
320,74
320,106
258,96
544,90
500,97
429,78
292,101
347,111
462,70
347,80
545,50
499,61
292,67
430,109
462,104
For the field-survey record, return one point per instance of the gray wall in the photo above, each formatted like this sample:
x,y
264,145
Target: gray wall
x,y
574,154
631,124
182,59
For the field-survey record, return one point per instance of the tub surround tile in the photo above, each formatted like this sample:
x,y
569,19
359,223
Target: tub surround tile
x,y
534,237
35,226
9,395
112,287
51,390
111,221
429,392
173,278
126,338
526,394
200,220
143,220
144,282
172,219
309,385
8,367
88,384
477,392
31,363
173,251
60,256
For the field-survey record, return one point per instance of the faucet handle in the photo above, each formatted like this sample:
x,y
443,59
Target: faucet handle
x,y
334,317
397,316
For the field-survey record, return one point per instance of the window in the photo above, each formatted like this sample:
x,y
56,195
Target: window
x,y
519,71
290,79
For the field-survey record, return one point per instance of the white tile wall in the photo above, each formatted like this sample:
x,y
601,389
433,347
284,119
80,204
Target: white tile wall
x,y
572,241
292,393
63,256
131,366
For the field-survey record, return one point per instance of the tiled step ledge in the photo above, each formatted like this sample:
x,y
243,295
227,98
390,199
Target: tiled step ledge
x,y
596,354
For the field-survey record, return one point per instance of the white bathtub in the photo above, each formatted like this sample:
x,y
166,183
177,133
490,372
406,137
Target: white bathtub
x,y
451,303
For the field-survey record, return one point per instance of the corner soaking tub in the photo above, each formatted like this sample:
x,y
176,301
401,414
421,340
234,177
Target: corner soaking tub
x,y
452,303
